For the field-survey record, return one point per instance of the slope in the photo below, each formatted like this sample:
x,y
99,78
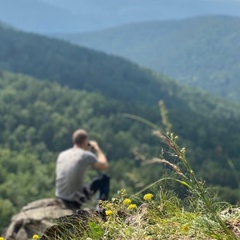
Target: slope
x,y
5,25
36,121
206,122
76,67
129,11
85,69
201,52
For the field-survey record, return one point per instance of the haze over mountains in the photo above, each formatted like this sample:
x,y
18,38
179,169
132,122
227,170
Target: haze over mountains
x,y
202,52
59,16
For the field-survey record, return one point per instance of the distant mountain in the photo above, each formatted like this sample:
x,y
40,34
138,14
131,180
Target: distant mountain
x,y
77,67
201,52
2,24
85,69
54,16
5,25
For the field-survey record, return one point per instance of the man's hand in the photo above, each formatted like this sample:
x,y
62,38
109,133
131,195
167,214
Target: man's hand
x,y
94,145
102,163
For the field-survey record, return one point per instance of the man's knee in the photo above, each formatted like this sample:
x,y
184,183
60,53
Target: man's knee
x,y
105,178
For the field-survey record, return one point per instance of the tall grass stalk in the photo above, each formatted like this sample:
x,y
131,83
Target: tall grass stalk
x,y
189,179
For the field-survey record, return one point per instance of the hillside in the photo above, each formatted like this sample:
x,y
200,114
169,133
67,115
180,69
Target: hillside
x,y
76,87
198,117
85,69
5,25
166,9
76,67
37,119
201,52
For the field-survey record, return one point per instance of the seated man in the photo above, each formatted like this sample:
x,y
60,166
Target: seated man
x,y
71,167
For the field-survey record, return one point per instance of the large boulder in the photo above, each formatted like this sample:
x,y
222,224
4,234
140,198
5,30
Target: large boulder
x,y
35,218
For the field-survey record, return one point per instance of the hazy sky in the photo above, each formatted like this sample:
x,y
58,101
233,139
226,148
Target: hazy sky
x,y
58,16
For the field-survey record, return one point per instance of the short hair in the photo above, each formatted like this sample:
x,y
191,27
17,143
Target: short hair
x,y
79,136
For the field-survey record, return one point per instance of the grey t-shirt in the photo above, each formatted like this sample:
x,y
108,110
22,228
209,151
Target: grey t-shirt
x,y
70,171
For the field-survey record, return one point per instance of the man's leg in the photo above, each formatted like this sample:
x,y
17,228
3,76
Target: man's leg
x,y
100,183
71,205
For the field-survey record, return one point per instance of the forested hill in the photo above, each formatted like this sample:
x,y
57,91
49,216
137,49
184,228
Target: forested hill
x,y
76,67
115,78
78,87
36,121
2,24
5,25
80,68
201,51
204,121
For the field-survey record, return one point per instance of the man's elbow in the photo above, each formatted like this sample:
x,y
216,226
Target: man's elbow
x,y
102,166
105,166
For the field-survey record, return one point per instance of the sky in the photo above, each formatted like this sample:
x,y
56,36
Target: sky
x,y
63,16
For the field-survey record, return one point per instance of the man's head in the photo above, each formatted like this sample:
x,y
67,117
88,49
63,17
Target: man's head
x,y
80,139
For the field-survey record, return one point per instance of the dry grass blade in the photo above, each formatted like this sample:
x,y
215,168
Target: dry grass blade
x,y
158,160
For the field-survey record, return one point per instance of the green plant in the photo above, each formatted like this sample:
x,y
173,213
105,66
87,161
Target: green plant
x,y
188,179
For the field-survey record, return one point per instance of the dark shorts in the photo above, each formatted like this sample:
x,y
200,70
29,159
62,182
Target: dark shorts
x,y
100,183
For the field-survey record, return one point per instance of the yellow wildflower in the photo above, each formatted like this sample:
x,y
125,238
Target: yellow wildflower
x,y
132,206
2,238
35,236
127,201
109,212
185,228
148,197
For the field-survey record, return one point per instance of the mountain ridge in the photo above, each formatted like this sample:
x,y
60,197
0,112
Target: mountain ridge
x,y
201,52
84,69
48,16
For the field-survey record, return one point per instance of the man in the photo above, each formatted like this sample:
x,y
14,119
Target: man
x,y
71,167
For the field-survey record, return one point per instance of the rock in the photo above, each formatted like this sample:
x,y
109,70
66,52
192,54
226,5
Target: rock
x,y
35,218
67,226
73,225
232,220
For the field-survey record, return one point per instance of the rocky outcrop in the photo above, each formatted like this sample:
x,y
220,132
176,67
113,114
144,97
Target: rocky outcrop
x,y
68,226
35,218
50,219
232,219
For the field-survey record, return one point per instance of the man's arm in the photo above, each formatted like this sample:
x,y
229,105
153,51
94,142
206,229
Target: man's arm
x,y
102,162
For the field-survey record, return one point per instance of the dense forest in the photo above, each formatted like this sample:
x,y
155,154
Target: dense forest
x,y
68,87
201,52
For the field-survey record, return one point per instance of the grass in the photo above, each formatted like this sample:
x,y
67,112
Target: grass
x,y
158,213
164,216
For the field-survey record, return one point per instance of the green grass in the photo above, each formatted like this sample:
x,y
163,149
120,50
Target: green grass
x,y
165,216
156,212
